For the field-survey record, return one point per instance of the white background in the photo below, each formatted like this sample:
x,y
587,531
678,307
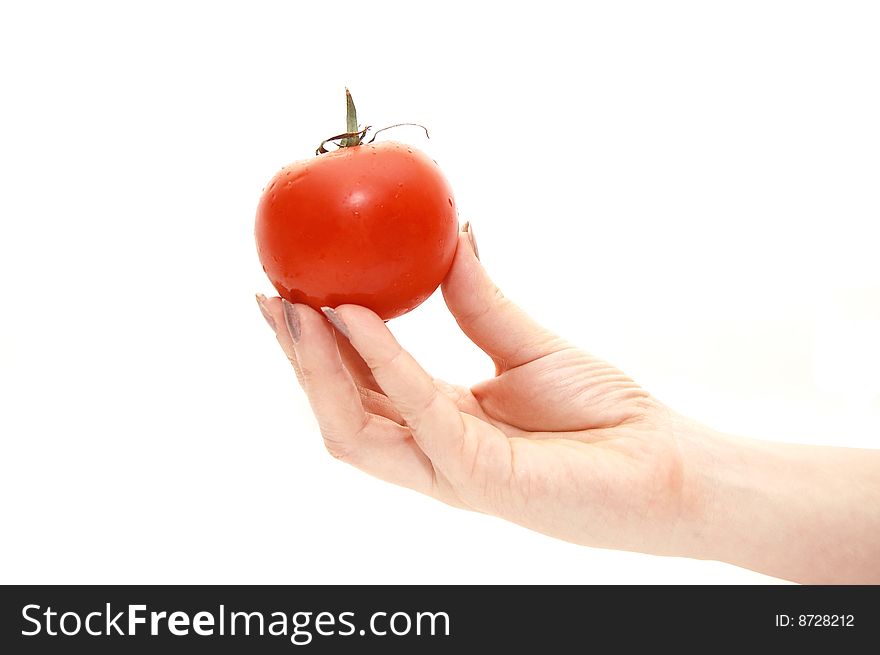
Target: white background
x,y
689,190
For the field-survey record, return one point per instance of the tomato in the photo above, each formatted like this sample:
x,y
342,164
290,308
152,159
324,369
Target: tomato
x,y
369,224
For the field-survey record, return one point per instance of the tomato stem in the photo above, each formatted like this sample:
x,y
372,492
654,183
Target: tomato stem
x,y
354,136
351,122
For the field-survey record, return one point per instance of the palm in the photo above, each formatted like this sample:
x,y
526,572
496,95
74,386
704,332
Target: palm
x,y
563,391
580,434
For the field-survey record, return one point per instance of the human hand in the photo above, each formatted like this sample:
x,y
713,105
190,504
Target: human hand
x,y
564,443
558,441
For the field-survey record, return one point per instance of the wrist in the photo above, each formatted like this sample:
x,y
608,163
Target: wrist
x,y
803,513
705,456
728,487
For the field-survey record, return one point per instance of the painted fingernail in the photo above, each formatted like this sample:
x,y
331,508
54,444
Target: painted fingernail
x,y
264,310
336,321
291,319
469,230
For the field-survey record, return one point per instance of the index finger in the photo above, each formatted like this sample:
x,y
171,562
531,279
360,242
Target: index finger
x,y
434,419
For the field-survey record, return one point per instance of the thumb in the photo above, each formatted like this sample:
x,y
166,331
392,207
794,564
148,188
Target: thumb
x,y
501,329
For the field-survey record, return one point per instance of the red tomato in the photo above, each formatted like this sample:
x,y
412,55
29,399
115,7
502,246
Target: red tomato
x,y
371,224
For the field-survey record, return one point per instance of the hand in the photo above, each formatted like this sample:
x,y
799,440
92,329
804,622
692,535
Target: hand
x,y
558,441
563,443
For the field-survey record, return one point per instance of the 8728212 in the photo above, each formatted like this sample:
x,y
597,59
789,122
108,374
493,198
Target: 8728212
x,y
815,620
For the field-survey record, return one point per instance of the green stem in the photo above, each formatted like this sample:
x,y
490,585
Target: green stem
x,y
351,121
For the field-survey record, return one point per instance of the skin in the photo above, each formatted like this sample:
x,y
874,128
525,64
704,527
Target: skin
x,y
563,443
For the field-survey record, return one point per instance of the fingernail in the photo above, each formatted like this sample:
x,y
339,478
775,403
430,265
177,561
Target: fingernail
x,y
261,303
469,230
291,319
336,321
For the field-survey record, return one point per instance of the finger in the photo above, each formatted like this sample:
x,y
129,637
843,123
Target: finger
x,y
332,393
368,441
358,368
271,309
372,399
435,421
376,402
500,328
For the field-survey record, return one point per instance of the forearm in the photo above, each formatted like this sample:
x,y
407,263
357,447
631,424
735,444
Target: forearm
x,y
805,513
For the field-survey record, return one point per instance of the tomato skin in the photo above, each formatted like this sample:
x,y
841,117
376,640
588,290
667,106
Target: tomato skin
x,y
373,225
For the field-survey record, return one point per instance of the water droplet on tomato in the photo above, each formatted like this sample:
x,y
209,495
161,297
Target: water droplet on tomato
x,y
409,150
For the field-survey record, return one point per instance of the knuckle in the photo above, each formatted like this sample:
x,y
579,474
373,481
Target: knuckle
x,y
429,400
296,369
336,448
496,300
379,363
455,393
391,361
344,446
